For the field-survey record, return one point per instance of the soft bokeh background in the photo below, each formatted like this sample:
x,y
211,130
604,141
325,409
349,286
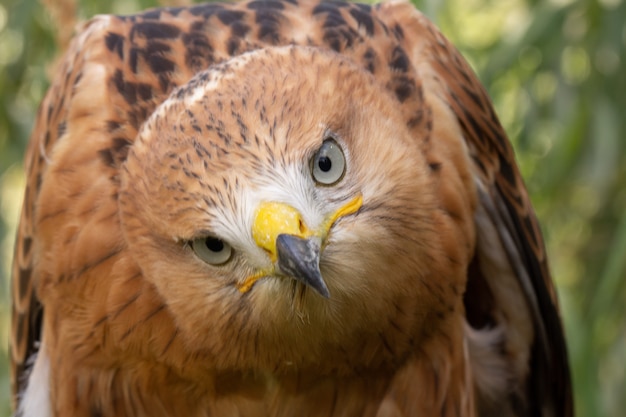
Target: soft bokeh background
x,y
557,75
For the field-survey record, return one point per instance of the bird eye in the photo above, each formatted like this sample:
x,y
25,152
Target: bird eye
x,y
212,250
328,165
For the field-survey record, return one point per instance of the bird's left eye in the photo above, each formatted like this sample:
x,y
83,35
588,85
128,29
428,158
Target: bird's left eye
x,y
328,165
212,250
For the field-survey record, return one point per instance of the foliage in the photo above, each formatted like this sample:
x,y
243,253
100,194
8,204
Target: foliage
x,y
557,75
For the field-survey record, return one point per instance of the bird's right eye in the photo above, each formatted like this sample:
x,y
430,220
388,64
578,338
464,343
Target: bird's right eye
x,y
212,250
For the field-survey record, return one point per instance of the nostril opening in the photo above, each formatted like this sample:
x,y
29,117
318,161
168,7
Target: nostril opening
x,y
301,226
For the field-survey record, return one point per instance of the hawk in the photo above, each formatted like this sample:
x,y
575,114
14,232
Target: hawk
x,y
278,208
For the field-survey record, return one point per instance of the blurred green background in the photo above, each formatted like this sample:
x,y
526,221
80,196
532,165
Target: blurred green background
x,y
556,72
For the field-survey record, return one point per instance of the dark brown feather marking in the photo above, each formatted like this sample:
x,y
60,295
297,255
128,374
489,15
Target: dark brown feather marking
x,y
399,60
115,43
364,19
154,30
269,21
209,9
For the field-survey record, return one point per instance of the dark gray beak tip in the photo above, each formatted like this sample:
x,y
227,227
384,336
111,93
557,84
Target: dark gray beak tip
x,y
300,258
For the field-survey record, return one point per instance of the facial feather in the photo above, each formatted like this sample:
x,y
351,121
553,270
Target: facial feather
x,y
224,168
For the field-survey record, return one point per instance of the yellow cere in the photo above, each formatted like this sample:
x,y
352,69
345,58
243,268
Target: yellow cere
x,y
273,219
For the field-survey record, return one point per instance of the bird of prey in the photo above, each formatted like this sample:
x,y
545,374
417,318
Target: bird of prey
x,y
278,208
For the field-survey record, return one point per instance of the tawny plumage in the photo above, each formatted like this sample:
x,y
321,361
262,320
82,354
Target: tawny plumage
x,y
278,208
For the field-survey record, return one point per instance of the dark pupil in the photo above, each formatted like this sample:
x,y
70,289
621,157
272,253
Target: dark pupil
x,y
214,245
324,163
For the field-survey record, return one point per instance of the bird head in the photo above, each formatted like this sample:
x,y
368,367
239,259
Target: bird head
x,y
279,203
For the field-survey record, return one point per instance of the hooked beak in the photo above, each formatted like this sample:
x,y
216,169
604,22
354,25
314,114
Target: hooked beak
x,y
300,258
293,248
